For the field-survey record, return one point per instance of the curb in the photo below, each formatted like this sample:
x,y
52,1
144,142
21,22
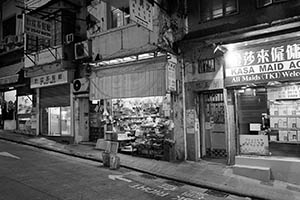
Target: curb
x,y
160,175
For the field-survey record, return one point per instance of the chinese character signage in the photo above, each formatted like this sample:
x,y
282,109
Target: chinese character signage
x,y
171,73
141,12
37,27
171,76
254,144
271,62
49,80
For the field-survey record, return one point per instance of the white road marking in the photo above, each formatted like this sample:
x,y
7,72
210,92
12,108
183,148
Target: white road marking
x,y
6,154
119,177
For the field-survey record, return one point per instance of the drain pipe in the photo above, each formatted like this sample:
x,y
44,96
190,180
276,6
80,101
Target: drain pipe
x,y
184,108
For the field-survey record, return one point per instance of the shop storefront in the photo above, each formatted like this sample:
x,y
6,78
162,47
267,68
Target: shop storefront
x,y
205,109
54,113
262,79
16,99
131,104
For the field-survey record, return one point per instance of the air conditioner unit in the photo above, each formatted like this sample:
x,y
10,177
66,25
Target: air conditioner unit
x,y
81,85
69,38
18,39
83,49
9,39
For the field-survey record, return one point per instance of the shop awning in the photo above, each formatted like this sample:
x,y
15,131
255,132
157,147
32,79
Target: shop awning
x,y
9,74
138,79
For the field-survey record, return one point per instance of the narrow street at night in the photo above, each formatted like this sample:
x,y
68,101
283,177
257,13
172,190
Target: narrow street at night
x,y
31,173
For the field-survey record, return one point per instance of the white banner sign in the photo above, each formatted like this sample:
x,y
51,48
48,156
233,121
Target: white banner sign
x,y
37,27
49,80
141,12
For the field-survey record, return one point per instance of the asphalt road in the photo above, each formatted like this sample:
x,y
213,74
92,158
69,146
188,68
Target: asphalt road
x,y
28,173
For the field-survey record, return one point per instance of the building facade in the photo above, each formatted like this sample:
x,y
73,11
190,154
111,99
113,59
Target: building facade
x,y
242,80
51,29
15,91
134,83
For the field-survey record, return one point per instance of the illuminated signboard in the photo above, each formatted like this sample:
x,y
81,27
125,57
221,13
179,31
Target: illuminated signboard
x,y
278,61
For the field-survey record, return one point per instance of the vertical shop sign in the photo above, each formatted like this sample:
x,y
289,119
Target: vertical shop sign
x,y
271,62
254,144
171,76
171,72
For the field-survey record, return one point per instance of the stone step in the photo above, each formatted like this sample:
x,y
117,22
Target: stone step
x,y
255,172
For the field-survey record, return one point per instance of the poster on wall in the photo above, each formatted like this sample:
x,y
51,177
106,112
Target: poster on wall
x,y
254,144
25,104
190,121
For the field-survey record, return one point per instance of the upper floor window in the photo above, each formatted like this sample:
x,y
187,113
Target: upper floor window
x,y
9,26
212,9
262,3
206,65
119,17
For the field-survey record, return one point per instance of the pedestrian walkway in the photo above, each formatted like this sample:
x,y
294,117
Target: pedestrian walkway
x,y
204,174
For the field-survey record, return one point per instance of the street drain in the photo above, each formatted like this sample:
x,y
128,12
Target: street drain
x,y
216,193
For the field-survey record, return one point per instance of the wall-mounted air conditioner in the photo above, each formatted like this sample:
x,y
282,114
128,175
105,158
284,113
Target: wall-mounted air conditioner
x,y
80,85
83,49
18,39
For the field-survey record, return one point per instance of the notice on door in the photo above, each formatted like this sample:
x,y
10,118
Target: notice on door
x,y
190,121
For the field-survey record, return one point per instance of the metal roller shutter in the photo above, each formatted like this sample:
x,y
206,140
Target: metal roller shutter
x,y
55,96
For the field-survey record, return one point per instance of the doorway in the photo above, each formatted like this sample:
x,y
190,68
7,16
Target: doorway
x,y
213,126
58,121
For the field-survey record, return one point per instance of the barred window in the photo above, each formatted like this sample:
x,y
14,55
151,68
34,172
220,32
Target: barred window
x,y
206,65
212,9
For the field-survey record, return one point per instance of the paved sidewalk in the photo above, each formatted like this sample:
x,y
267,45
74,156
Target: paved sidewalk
x,y
203,174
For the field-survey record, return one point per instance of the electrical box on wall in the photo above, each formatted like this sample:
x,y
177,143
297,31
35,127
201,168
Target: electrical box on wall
x,y
80,85
83,49
69,38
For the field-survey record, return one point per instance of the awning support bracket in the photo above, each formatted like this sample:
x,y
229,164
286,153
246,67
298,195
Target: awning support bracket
x,y
52,53
30,59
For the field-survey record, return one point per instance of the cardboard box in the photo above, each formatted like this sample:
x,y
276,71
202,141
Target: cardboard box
x,y
273,138
273,109
283,135
298,122
282,109
291,109
292,135
282,122
274,122
292,122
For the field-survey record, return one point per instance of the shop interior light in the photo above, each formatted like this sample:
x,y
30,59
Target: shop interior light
x,y
95,101
127,59
274,83
145,56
